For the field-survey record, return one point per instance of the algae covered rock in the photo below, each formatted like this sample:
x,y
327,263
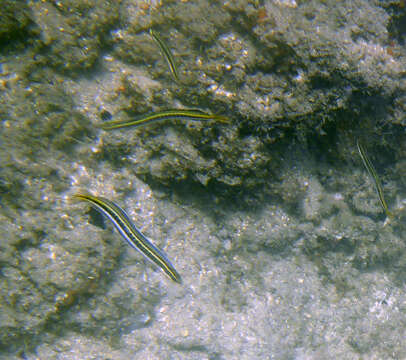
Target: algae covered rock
x,y
15,22
277,69
73,32
270,218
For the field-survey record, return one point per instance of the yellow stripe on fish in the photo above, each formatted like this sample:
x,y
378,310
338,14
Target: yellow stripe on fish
x,y
131,234
372,172
171,114
167,54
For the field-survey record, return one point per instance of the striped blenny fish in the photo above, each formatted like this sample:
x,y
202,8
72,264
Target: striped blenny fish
x,y
372,172
171,114
131,234
167,54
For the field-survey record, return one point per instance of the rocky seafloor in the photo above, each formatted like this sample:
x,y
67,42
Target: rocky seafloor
x,y
272,220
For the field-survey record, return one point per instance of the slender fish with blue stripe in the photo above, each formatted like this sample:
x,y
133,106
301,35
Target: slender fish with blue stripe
x,y
167,54
372,172
171,114
131,234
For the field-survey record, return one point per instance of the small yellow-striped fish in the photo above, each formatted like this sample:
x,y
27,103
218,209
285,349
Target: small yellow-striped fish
x,y
371,170
167,54
131,234
171,114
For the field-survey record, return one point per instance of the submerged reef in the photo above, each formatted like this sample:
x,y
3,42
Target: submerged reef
x,y
269,217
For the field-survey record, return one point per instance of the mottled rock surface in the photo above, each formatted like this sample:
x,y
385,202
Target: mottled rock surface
x,y
272,220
